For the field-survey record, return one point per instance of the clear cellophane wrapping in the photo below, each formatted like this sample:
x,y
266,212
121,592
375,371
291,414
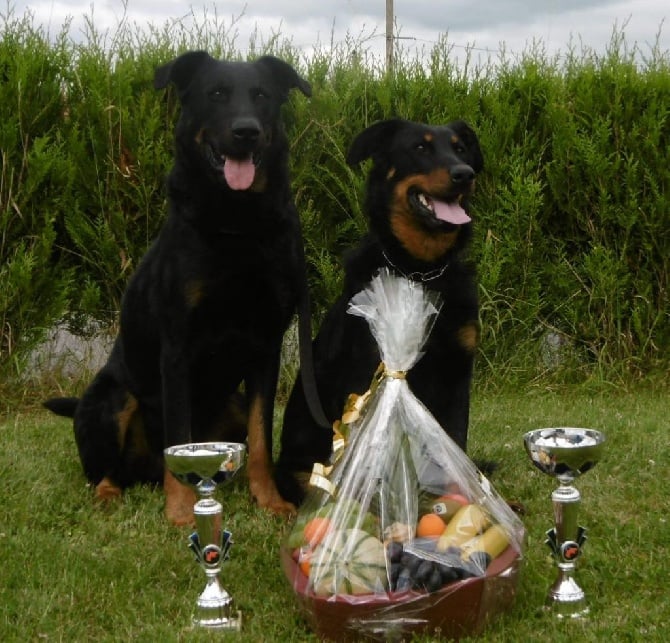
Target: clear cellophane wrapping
x,y
402,518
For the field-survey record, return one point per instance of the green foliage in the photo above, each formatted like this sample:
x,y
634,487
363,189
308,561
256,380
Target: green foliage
x,y
34,181
572,210
119,141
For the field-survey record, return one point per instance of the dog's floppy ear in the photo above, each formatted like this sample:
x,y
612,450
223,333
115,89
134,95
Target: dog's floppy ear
x,y
468,136
286,76
180,70
373,140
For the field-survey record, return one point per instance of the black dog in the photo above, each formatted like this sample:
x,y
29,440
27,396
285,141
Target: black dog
x,y
417,188
207,308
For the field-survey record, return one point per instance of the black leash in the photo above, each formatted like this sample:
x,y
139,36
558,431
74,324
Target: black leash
x,y
305,350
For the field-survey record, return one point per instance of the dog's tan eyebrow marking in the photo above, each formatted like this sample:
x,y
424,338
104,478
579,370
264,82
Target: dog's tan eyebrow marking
x,y
428,137
454,139
194,291
390,174
199,136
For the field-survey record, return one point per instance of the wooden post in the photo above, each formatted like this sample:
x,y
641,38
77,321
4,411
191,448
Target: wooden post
x,y
389,36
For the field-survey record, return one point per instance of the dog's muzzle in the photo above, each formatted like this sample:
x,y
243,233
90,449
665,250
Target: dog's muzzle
x,y
447,211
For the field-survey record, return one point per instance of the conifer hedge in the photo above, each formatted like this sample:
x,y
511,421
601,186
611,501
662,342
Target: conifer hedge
x,y
572,215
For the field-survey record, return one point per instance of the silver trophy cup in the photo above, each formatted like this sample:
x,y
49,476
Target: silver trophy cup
x,y
565,453
204,466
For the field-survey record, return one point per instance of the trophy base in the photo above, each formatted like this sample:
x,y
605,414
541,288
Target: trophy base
x,y
220,622
566,600
218,617
215,609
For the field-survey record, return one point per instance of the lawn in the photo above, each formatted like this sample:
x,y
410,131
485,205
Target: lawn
x,y
75,572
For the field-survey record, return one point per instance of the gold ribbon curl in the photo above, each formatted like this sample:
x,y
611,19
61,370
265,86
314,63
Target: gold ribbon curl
x,y
354,409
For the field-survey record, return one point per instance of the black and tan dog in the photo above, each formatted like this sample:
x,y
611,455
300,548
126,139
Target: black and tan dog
x,y
417,189
207,307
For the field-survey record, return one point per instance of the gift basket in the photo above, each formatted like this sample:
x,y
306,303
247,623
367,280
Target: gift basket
x,y
399,533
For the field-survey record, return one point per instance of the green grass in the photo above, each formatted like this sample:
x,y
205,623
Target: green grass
x,y
72,571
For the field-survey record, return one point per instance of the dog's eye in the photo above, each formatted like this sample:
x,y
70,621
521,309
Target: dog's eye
x,y
422,148
258,95
220,94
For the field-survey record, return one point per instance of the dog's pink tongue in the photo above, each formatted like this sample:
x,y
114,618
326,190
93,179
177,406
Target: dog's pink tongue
x,y
239,174
450,212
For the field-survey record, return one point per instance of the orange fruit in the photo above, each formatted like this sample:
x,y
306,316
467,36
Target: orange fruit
x,y
315,530
430,525
304,560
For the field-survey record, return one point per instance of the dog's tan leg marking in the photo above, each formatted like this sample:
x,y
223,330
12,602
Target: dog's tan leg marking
x,y
468,336
125,417
259,466
106,491
179,501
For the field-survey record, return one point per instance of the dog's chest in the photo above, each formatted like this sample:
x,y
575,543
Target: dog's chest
x,y
227,290
240,304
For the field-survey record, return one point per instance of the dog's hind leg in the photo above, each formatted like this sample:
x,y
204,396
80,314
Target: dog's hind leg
x,y
110,438
96,428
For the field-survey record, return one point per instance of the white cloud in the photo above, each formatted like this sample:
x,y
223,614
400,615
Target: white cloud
x,y
420,23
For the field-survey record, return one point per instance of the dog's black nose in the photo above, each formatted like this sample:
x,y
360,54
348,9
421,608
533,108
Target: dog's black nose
x,y
462,173
246,130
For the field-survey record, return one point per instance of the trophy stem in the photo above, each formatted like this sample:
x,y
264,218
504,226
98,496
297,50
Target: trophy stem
x,y
566,500
565,598
210,544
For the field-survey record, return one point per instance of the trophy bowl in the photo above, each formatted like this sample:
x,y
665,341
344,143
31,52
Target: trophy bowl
x,y
204,462
565,453
204,466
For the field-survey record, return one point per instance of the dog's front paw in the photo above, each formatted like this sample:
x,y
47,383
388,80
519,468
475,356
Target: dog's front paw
x,y
281,507
267,497
107,491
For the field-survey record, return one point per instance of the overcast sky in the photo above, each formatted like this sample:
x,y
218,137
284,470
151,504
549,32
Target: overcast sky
x,y
481,24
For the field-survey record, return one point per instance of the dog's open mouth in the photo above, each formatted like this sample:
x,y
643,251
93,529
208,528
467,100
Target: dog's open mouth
x,y
238,172
442,210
